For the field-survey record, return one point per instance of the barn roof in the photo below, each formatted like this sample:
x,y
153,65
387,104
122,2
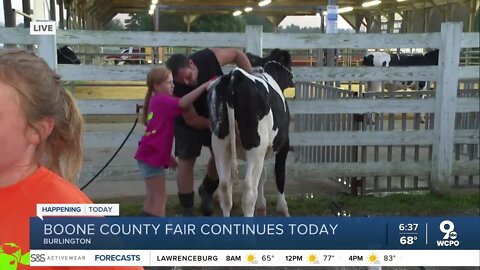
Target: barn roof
x,y
95,13
286,7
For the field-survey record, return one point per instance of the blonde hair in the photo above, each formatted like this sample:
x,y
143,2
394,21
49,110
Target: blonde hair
x,y
156,75
42,95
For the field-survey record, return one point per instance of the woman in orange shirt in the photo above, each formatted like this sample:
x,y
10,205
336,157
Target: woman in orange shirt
x,y
41,152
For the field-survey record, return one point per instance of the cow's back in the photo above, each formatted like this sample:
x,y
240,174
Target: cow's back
x,y
258,107
252,109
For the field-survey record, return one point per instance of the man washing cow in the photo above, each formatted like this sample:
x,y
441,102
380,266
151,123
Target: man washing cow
x,y
261,123
191,133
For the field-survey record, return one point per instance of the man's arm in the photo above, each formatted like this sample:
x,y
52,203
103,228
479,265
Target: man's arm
x,y
232,56
193,119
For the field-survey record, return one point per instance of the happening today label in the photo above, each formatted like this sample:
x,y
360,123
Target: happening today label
x,y
91,210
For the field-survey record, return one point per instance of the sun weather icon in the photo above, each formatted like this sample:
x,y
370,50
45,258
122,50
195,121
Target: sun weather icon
x,y
373,259
251,259
312,258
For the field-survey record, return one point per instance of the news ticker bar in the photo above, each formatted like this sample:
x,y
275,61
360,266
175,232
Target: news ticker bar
x,y
247,258
315,233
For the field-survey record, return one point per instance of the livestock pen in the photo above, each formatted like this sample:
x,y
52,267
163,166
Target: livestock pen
x,y
329,140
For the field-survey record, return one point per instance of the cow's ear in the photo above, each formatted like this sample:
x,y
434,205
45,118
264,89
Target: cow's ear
x,y
281,56
25,259
286,58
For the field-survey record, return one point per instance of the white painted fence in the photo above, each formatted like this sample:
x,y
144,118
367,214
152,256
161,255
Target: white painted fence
x,y
444,106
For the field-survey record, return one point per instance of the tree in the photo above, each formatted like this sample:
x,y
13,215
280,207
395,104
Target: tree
x,y
171,22
218,23
140,22
115,24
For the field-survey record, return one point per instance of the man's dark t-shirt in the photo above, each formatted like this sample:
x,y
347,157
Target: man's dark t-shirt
x,y
208,67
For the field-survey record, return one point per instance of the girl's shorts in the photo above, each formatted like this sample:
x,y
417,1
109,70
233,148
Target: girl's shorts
x,y
148,171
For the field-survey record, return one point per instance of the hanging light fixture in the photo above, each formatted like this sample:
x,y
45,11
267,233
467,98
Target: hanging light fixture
x,y
237,13
371,3
264,3
248,9
345,9
340,10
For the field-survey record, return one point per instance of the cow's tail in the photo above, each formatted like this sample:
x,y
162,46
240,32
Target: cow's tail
x,y
235,80
233,145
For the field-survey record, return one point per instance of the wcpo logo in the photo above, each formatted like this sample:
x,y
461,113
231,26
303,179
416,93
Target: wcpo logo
x,y
447,227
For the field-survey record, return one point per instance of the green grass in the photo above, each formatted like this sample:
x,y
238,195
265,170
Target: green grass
x,y
314,205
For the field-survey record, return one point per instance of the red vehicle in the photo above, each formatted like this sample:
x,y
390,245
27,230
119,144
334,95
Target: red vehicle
x,y
128,56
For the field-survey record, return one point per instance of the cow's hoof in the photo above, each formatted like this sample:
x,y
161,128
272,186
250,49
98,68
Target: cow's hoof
x,y
206,206
261,212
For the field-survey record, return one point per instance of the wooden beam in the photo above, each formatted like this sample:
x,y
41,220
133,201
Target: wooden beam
x,y
445,99
436,7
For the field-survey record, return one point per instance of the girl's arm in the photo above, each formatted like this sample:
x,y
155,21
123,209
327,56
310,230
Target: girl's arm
x,y
193,119
188,99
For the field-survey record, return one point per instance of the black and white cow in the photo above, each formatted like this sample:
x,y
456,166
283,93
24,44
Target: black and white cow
x,y
254,109
65,55
383,59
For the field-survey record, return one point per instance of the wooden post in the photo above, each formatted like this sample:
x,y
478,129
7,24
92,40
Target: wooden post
x,y
47,44
53,10
61,24
445,103
254,43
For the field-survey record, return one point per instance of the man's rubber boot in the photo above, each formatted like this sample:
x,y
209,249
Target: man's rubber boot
x,y
206,190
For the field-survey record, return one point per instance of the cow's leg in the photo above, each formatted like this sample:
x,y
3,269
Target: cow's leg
x,y
280,163
372,87
422,86
261,206
254,158
223,159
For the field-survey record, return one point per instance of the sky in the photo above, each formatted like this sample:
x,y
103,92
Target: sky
x,y
302,21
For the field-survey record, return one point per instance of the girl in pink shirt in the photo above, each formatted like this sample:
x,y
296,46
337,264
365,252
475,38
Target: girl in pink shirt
x,y
154,148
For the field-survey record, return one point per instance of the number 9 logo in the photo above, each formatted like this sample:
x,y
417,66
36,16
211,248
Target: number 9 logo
x,y
447,228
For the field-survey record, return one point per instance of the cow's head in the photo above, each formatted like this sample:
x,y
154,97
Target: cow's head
x,y
368,60
65,55
11,256
431,58
279,65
